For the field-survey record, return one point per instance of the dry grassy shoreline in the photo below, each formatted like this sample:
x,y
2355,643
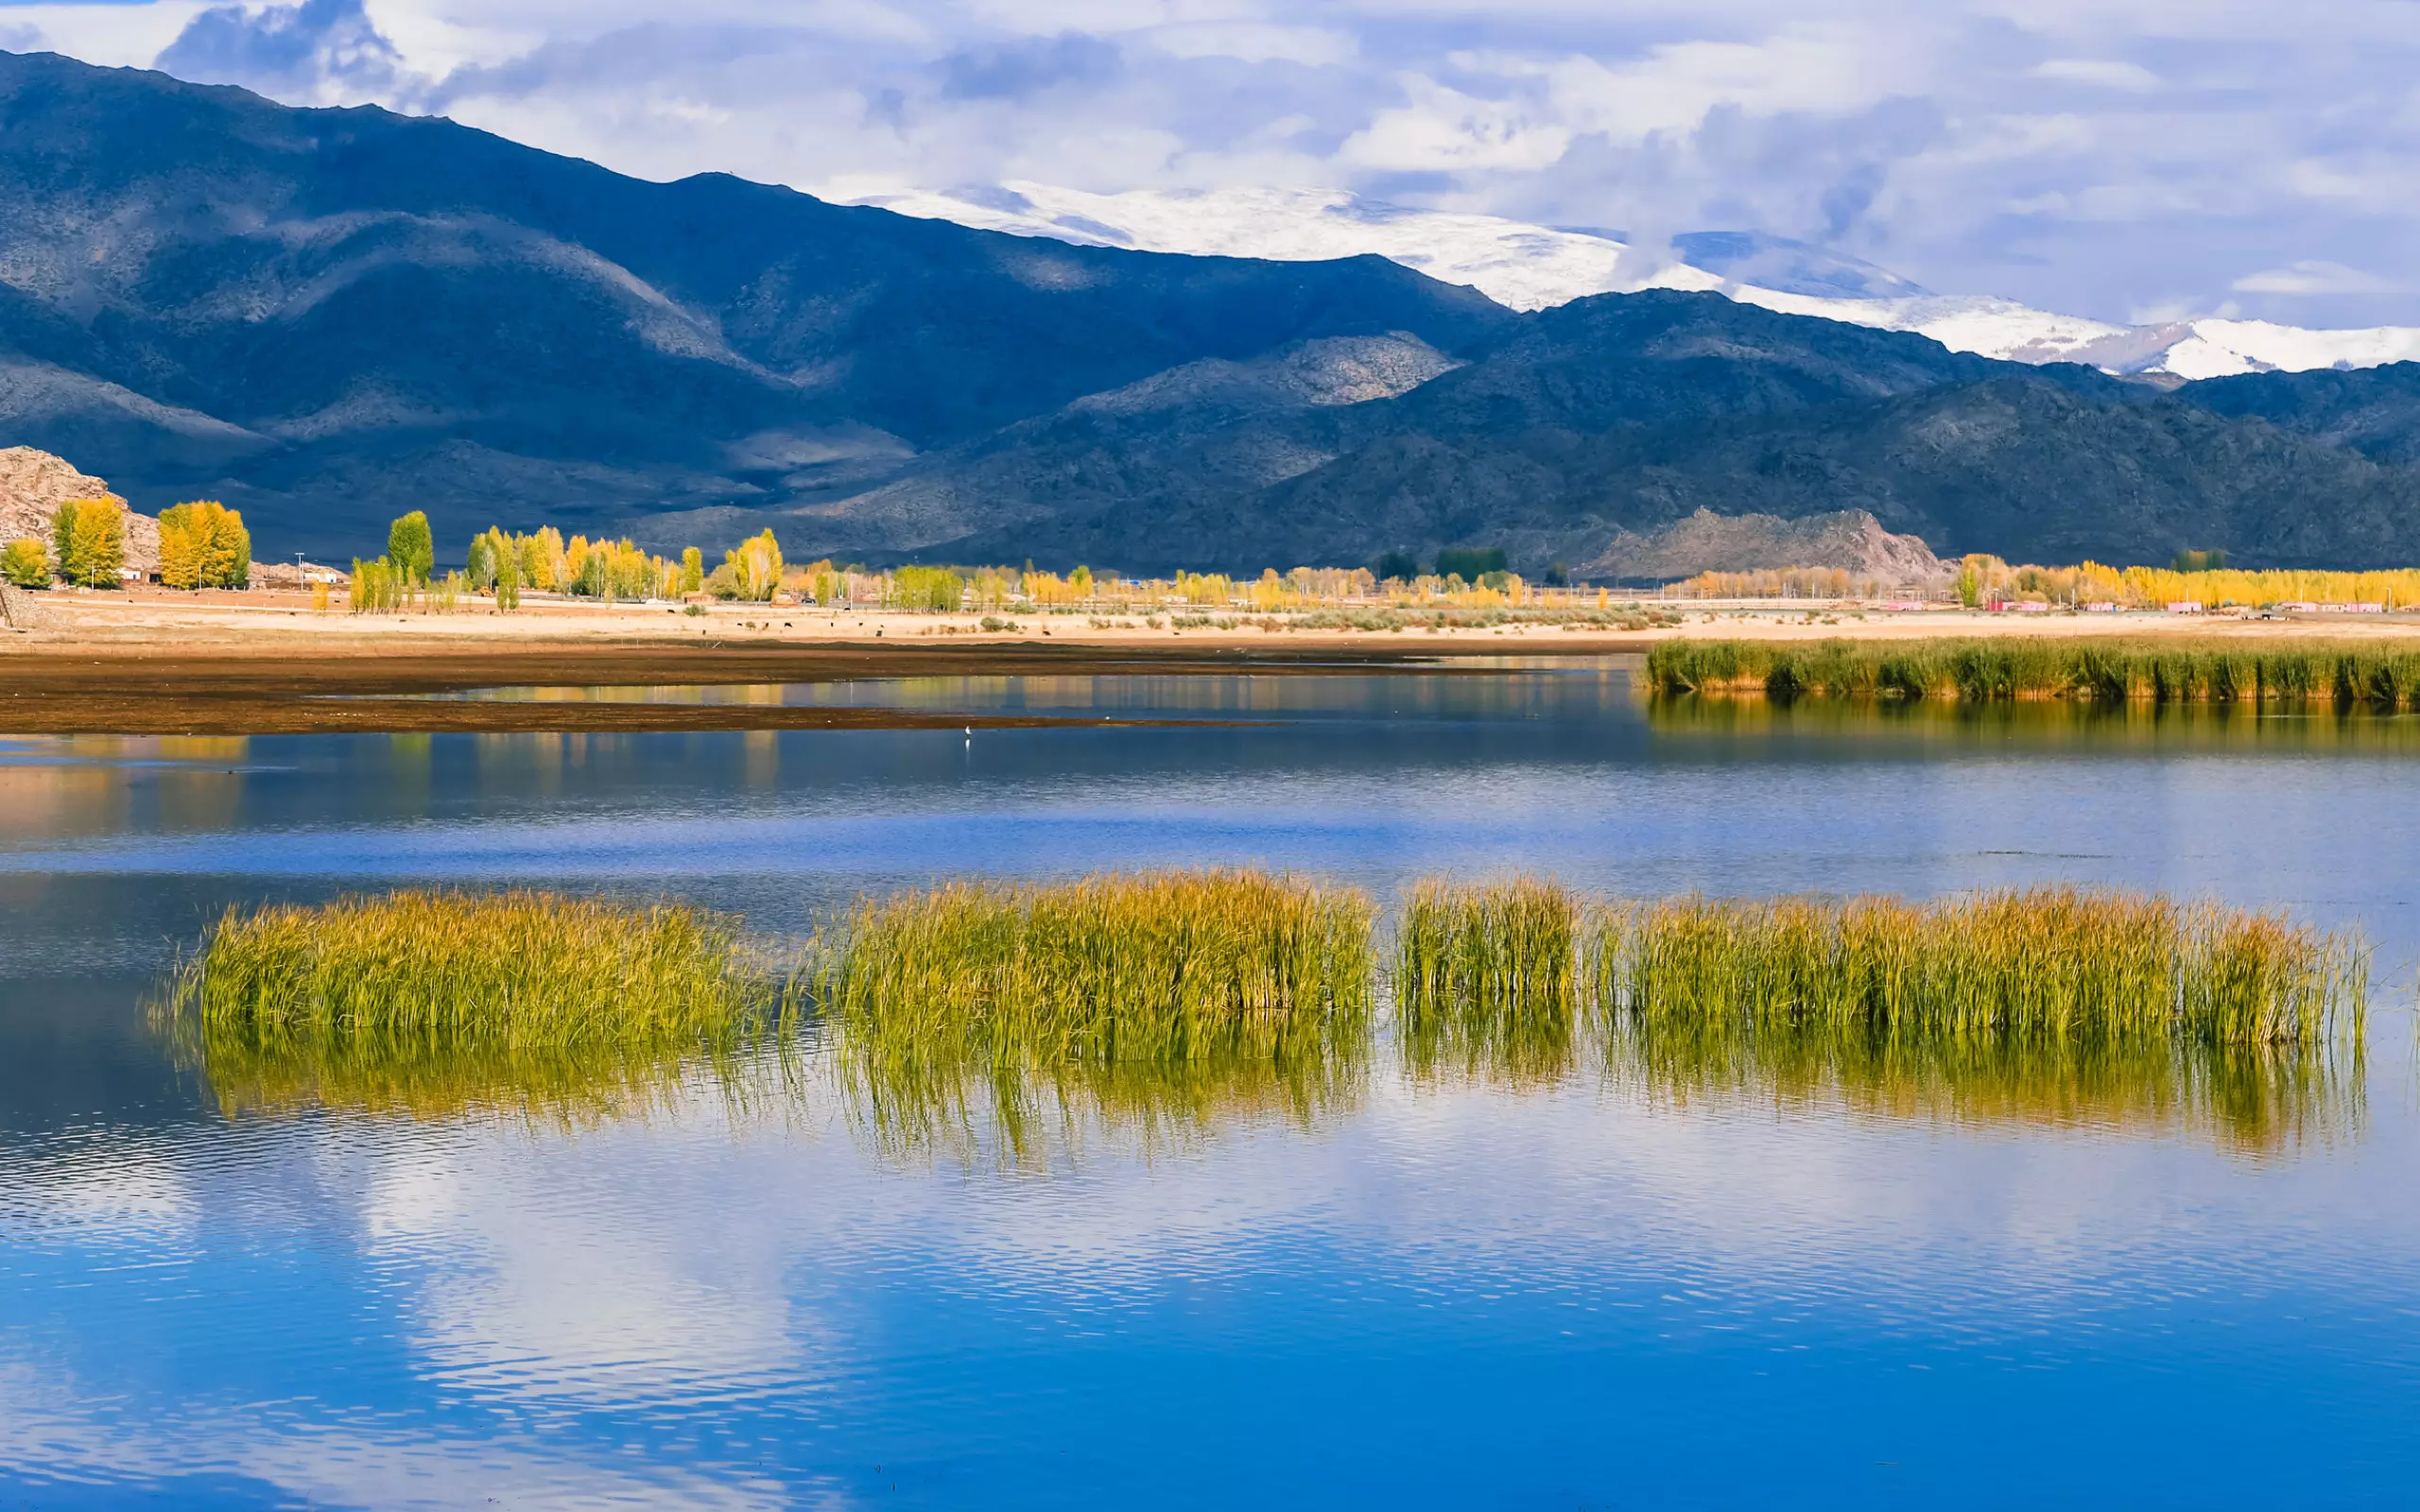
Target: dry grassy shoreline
x,y
262,663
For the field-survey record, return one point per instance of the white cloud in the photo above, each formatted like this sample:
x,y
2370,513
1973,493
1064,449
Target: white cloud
x,y
2101,72
1254,42
2311,276
2063,152
1441,129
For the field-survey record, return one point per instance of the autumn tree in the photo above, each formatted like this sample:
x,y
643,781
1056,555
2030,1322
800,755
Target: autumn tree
x,y
752,569
412,549
88,537
26,563
204,544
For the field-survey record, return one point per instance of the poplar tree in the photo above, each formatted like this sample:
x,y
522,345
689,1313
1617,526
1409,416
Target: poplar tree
x,y
88,539
412,549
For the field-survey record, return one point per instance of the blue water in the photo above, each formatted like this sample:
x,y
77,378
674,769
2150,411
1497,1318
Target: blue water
x,y
1434,1293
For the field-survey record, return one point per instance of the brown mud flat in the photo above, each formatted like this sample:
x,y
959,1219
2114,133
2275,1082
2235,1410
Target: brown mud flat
x,y
92,690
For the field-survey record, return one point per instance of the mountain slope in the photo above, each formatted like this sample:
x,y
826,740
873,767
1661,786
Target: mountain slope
x,y
1618,416
332,311
2374,411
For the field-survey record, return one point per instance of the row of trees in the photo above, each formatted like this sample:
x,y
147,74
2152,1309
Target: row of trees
x,y
87,546
203,544
2195,576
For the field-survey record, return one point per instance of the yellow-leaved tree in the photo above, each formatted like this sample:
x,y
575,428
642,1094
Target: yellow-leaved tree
x,y
26,563
87,535
204,544
752,569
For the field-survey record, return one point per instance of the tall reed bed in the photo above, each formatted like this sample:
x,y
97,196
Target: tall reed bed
x,y
1169,966
2169,670
1129,994
2035,963
1487,975
424,1000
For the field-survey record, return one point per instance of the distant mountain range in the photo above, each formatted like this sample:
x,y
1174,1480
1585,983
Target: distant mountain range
x,y
1535,267
325,318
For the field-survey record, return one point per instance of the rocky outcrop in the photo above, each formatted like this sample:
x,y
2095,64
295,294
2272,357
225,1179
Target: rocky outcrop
x,y
18,611
33,484
1705,541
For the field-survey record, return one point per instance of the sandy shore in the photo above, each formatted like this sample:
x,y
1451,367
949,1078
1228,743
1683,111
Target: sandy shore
x,y
154,661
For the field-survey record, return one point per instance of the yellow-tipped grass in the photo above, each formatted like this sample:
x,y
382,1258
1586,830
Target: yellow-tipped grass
x,y
430,1000
2049,962
1487,975
1168,966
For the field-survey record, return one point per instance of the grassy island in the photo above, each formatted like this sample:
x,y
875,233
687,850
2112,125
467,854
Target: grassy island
x,y
1169,966
430,1000
1486,976
1167,999
2115,669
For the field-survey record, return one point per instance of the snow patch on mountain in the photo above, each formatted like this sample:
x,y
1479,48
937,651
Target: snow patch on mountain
x,y
1531,267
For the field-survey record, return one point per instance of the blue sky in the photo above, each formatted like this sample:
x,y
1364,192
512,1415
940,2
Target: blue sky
x,y
2127,160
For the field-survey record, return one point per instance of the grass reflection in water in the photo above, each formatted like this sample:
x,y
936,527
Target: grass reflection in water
x,y
2250,1099
1029,1018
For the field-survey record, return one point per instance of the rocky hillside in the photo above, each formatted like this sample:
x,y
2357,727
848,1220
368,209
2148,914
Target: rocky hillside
x,y
34,484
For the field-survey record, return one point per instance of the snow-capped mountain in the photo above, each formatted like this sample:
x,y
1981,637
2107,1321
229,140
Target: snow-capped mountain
x,y
1530,268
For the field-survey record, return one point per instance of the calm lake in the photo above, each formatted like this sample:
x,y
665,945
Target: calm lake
x,y
1606,1287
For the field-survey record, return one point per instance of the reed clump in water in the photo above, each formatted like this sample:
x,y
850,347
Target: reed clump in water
x,y
2384,677
2042,962
1487,975
431,1000
1132,997
1166,965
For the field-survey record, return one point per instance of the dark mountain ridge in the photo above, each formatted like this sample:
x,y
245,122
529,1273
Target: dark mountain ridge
x,y
328,316
201,287
1623,415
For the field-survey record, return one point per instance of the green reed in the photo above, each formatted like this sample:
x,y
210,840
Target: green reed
x,y
2042,962
2163,669
427,1000
1487,974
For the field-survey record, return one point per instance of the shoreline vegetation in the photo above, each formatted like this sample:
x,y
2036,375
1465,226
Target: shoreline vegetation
x,y
2347,675
204,544
1170,1000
